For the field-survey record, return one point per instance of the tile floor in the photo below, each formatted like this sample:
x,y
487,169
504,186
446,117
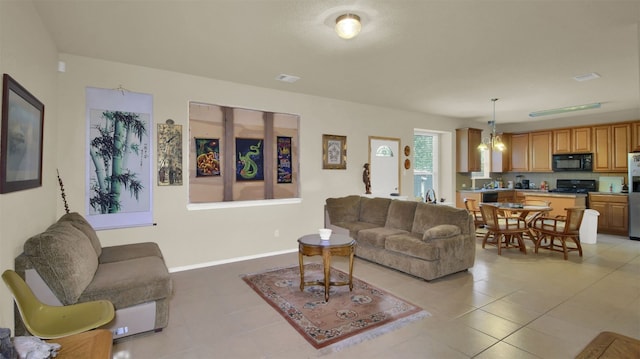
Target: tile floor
x,y
514,305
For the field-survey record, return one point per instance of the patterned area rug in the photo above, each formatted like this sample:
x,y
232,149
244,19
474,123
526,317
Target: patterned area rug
x,y
347,318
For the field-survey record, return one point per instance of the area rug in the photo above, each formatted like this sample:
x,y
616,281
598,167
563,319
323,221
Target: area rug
x,y
347,318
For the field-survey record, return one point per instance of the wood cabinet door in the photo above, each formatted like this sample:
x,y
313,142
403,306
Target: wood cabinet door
x,y
467,153
603,209
562,141
620,147
540,151
501,160
601,155
619,218
520,152
581,140
635,136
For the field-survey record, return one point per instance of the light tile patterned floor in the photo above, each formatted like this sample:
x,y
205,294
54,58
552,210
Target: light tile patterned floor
x,y
514,305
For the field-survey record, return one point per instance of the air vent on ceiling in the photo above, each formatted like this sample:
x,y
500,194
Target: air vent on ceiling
x,y
287,78
586,77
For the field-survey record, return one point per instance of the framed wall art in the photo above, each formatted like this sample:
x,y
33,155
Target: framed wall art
x,y
21,138
334,152
169,154
250,160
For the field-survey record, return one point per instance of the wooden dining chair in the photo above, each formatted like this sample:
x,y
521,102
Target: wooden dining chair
x,y
472,207
502,231
563,229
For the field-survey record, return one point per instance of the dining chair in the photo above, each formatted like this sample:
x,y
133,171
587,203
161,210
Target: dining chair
x,y
51,322
564,228
478,221
506,231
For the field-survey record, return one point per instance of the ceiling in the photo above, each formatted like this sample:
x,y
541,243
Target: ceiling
x,y
447,58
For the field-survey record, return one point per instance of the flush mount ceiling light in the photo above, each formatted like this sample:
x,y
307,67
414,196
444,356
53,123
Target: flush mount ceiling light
x,y
493,141
556,111
348,26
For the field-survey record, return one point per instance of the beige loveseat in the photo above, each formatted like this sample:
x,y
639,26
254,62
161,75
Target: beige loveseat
x,y
426,240
66,264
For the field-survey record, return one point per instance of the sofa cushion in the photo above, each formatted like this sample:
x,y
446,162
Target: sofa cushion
x,y
129,251
375,237
413,246
130,282
401,215
81,223
343,209
374,210
441,231
64,258
431,215
355,227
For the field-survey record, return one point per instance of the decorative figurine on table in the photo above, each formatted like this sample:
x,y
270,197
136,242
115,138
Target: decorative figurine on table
x,y
366,178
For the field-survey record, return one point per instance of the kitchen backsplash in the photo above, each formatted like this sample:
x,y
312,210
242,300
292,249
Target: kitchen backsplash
x,y
536,178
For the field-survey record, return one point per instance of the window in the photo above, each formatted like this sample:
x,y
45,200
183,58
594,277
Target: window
x,y
425,159
485,166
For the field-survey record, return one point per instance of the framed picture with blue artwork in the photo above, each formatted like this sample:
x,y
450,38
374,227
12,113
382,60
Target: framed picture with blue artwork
x,y
21,138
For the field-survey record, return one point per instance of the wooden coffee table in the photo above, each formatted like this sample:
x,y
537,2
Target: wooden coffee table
x,y
337,245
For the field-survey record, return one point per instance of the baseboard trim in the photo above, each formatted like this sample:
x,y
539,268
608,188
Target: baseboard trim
x,y
230,260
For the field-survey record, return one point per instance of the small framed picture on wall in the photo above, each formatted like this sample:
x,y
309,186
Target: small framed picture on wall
x,y
334,152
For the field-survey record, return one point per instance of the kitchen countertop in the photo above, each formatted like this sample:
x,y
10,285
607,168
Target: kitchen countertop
x,y
536,192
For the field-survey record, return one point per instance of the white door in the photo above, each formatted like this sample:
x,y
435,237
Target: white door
x,y
384,160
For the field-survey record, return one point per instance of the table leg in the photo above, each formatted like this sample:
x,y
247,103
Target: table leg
x,y
326,260
351,270
301,270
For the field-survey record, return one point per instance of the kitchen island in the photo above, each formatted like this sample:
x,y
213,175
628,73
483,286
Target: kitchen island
x,y
558,201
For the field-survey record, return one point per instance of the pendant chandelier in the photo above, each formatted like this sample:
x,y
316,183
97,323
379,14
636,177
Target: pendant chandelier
x,y
494,141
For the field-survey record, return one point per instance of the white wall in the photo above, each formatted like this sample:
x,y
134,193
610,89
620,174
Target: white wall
x,y
187,238
191,238
28,55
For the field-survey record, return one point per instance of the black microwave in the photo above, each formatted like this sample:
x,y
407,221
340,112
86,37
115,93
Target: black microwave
x,y
572,162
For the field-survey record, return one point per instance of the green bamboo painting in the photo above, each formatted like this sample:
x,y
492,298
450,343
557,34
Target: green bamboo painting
x,y
119,137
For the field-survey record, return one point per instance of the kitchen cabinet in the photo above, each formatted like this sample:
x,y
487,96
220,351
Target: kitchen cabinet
x,y
635,136
460,196
562,141
572,140
581,140
611,145
540,146
614,213
501,160
519,152
467,153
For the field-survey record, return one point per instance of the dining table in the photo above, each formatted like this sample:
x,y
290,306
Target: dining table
x,y
526,212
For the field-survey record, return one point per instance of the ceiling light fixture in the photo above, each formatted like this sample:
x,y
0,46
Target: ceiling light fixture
x,y
348,26
494,141
556,111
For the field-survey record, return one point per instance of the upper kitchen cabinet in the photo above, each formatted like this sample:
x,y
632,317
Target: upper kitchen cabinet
x,y
519,152
610,147
572,140
635,136
540,145
468,155
581,140
501,160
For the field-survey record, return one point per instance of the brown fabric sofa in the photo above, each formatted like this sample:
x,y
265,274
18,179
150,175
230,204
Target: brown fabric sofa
x,y
426,240
66,264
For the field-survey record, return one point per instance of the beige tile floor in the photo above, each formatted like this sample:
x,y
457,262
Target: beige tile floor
x,y
509,306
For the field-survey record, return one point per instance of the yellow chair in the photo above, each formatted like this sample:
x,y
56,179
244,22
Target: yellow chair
x,y
50,322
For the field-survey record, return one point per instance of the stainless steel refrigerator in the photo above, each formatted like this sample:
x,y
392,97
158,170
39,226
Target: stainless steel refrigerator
x,y
634,196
